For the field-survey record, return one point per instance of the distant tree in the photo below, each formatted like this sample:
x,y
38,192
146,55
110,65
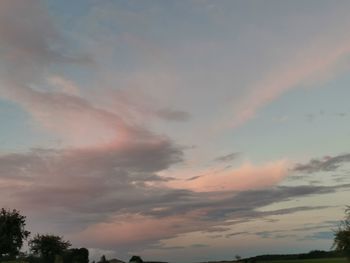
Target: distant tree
x,y
48,246
76,255
12,232
103,259
135,259
342,236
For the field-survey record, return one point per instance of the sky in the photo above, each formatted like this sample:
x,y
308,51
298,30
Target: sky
x,y
180,131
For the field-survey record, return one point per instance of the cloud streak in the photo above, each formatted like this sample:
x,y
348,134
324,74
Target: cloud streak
x,y
228,157
118,191
246,177
326,164
296,74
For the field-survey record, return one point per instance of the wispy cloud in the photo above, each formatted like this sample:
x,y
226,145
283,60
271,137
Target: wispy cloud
x,y
119,191
297,73
173,115
228,157
243,178
326,164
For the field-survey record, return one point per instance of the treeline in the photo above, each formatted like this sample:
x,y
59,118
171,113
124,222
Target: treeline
x,y
50,248
315,254
46,248
73,255
43,248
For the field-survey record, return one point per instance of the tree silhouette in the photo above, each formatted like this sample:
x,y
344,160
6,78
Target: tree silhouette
x,y
342,236
76,255
136,259
12,232
48,246
103,259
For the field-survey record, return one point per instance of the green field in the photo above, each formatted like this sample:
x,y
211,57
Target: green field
x,y
324,260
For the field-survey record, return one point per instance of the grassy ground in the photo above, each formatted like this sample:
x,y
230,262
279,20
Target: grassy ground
x,y
324,260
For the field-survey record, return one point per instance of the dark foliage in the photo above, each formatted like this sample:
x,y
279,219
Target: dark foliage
x,y
34,259
12,232
103,260
315,254
48,246
136,259
342,236
76,255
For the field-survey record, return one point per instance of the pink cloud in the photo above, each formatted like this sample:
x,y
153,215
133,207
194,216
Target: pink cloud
x,y
72,118
133,229
246,177
308,66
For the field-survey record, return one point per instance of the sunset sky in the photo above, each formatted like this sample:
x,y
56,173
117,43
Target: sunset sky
x,y
180,131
